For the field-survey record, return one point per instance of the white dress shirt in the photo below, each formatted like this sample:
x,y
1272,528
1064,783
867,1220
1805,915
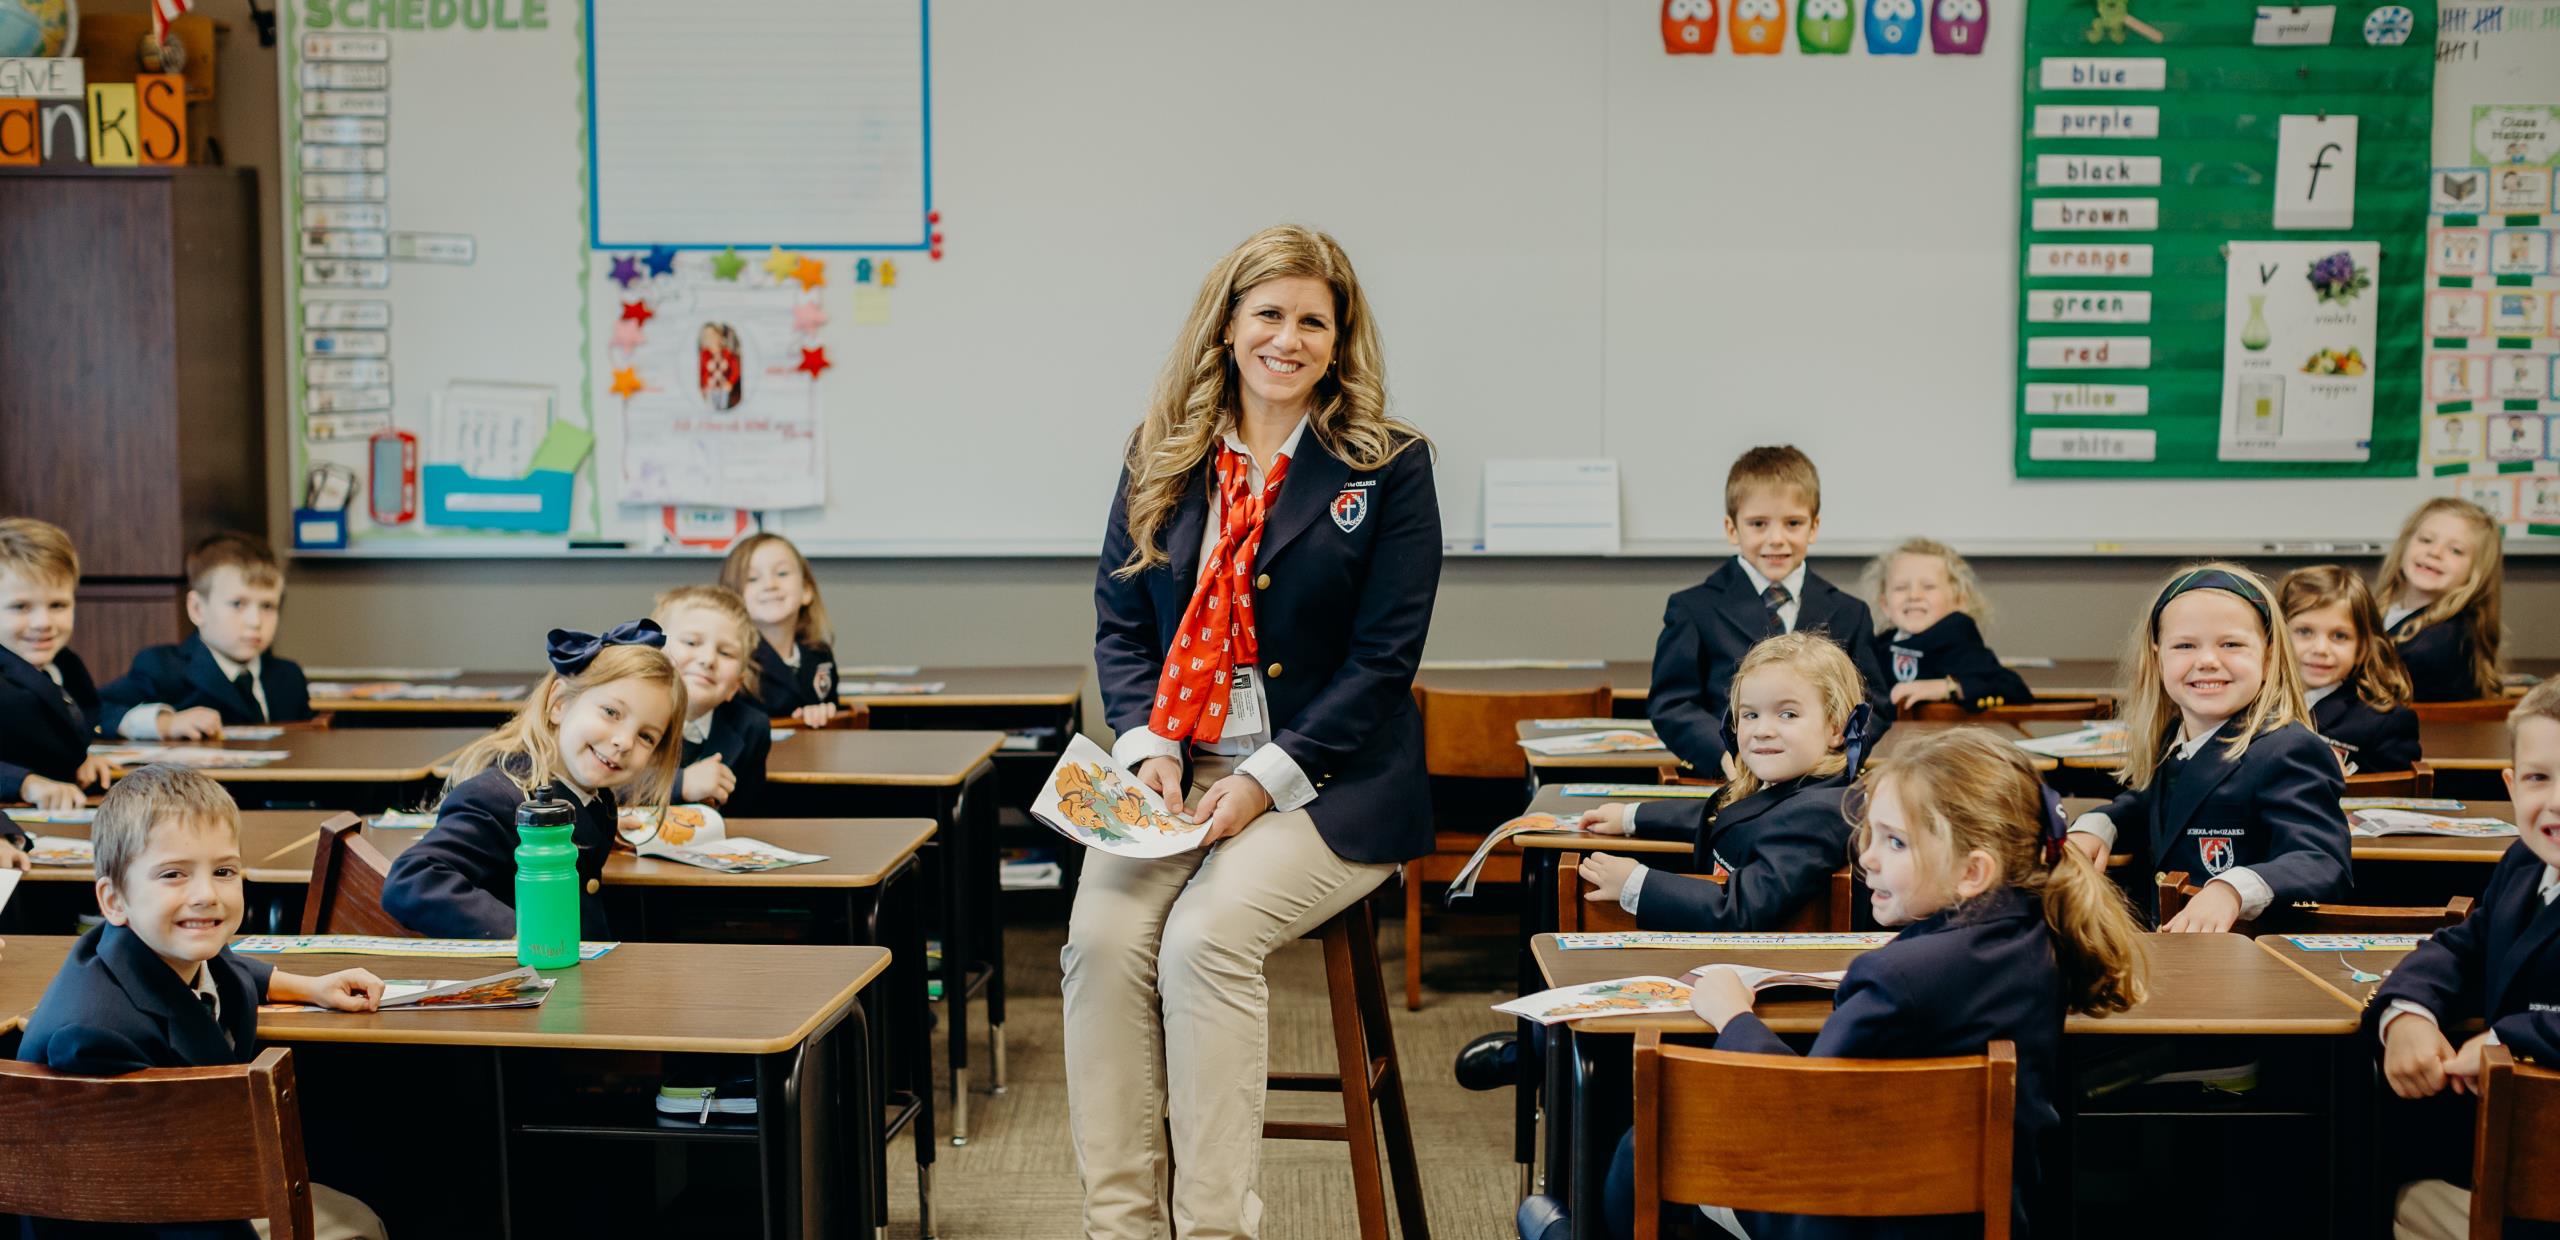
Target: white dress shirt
x,y
1760,585
2313,697
698,728
1268,764
2255,895
2399,611
142,723
2549,891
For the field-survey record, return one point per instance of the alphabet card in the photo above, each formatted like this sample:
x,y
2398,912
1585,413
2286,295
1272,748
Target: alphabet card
x,y
2300,320
2316,172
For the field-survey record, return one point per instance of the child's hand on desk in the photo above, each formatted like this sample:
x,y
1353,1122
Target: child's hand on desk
x,y
347,990
1608,876
2210,911
1909,692
1615,818
11,858
2462,1072
51,793
93,773
196,723
1717,995
709,782
2414,1057
816,716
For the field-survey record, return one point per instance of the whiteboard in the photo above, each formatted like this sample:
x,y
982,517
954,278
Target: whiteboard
x,y
1575,246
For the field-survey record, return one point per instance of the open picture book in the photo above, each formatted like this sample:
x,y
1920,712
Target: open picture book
x,y
1092,800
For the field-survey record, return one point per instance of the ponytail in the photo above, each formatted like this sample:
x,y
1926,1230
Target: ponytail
x,y
2096,941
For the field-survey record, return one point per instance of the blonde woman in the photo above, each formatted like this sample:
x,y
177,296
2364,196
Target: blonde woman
x,y
1265,586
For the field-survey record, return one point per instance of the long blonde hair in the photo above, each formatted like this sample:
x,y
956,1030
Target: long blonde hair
x,y
2149,714
2477,596
812,627
1195,397
1962,585
2380,678
1823,665
532,738
1966,789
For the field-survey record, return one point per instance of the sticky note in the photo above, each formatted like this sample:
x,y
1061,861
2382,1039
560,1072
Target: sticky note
x,y
871,307
563,446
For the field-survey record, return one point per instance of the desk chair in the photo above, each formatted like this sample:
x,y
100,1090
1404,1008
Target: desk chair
x,y
2511,1158
347,872
1366,1075
2474,710
1472,735
163,1145
1772,1133
1829,911
2069,710
2331,918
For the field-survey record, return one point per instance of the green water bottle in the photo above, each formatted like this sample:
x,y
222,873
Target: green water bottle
x,y
546,883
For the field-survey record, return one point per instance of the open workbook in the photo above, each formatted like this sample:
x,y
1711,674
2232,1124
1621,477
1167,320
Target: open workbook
x,y
1464,884
515,988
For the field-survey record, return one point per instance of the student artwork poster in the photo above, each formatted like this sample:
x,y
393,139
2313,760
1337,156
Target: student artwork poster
x,y
716,378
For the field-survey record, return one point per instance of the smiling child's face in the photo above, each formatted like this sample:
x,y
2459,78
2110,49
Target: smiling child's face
x,y
183,896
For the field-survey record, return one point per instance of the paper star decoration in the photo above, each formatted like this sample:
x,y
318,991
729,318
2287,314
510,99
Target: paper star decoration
x,y
662,260
814,361
626,382
779,264
807,318
637,312
626,268
626,336
810,273
726,264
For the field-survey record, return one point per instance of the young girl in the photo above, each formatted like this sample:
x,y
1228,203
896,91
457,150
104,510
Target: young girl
x,y
2440,591
795,664
1777,833
2226,783
2003,931
597,724
2351,676
726,738
1932,610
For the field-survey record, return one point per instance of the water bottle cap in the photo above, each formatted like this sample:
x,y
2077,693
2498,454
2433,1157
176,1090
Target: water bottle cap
x,y
543,810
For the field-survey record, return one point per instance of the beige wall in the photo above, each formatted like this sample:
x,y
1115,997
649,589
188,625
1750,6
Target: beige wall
x,y
492,614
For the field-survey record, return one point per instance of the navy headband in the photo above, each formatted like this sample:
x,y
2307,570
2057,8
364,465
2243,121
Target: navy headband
x,y
2213,579
571,651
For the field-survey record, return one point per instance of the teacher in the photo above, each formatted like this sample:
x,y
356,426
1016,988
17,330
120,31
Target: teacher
x,y
1265,587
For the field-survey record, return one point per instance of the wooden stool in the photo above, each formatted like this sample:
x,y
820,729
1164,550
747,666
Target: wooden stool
x,y
1365,1054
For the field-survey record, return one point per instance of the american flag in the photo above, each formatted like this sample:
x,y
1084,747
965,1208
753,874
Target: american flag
x,y
164,12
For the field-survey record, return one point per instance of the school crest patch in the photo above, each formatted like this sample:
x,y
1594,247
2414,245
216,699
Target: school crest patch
x,y
2216,851
1906,665
1350,509
823,682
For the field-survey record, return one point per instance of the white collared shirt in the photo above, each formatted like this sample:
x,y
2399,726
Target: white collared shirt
x,y
142,723
212,1000
698,728
1271,766
2399,611
2549,890
2313,697
1795,589
2255,895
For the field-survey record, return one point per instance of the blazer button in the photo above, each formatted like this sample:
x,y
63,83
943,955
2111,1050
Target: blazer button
x,y
1271,670
1262,582
594,885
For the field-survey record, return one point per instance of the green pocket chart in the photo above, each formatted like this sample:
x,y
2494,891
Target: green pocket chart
x,y
2222,234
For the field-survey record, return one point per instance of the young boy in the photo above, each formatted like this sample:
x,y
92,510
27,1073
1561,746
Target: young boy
x,y
157,987
1772,508
2501,967
223,673
711,639
48,705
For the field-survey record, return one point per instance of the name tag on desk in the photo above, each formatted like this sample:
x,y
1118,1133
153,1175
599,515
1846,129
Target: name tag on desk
x,y
1244,704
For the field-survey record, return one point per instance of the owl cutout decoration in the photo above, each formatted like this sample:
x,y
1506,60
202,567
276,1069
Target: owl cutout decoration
x,y
1957,27
1893,27
1688,27
1760,27
1824,27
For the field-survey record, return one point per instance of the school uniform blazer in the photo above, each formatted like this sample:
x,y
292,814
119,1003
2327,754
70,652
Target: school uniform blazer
x,y
1707,628
39,733
2501,965
2383,740
743,737
184,676
2278,805
782,688
1343,587
2438,657
1953,647
1777,849
459,880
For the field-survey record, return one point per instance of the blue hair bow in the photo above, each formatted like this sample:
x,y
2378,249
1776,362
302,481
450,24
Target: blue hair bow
x,y
571,651
1855,736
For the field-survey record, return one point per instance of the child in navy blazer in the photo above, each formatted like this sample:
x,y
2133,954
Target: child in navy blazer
x,y
726,738
1931,609
2003,932
224,672
1776,834
2351,675
2440,586
157,987
795,664
2500,967
603,720
48,704
2224,781
1772,506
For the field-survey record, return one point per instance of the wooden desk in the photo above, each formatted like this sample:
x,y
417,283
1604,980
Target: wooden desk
x,y
1595,765
2443,847
2465,746
1632,679
521,682
1055,685
1517,680
879,759
270,842
384,756
789,1011
2328,970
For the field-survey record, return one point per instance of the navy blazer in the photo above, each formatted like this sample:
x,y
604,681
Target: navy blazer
x,y
1706,629
2501,965
2275,810
1345,580
1953,647
459,880
782,688
1777,849
184,676
1949,984
2438,657
743,737
2382,740
40,734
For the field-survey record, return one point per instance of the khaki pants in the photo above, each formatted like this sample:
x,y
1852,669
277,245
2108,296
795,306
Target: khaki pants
x,y
2432,1210
336,1216
1167,1013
